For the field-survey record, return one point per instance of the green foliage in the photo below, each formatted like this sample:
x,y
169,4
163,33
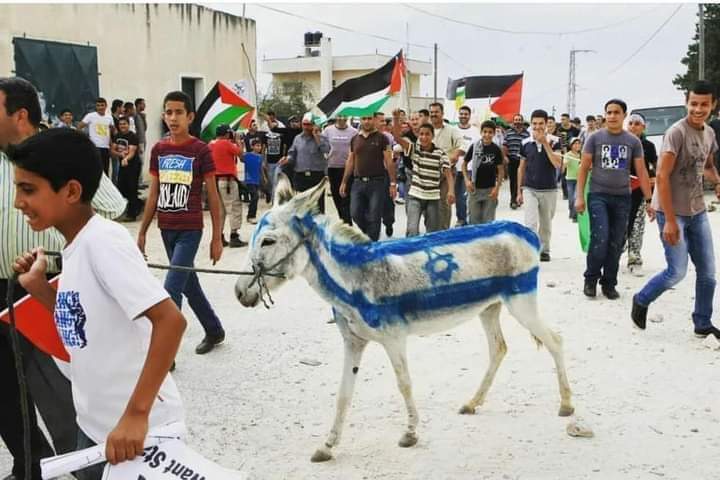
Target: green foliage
x,y
712,46
289,98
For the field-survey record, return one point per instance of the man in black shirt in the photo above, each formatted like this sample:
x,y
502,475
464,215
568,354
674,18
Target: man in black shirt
x,y
483,183
251,135
125,149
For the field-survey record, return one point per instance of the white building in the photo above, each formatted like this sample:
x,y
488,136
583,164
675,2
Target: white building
x,y
75,52
320,71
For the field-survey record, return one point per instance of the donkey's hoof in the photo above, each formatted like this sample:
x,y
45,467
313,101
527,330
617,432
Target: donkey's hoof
x,y
321,455
467,410
566,411
408,440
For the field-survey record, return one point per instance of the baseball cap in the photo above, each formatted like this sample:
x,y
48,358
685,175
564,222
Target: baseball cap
x,y
636,117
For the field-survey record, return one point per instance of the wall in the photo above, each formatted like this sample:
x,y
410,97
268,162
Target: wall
x,y
143,49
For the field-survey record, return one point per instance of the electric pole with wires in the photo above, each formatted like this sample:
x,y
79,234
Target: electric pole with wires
x,y
572,84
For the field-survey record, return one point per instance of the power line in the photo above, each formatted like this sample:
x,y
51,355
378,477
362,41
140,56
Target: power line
x,y
527,32
344,29
657,30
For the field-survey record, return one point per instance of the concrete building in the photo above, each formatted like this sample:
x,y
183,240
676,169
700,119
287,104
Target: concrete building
x,y
75,52
320,71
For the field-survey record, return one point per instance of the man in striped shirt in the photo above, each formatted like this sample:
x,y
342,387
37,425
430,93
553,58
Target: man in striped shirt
x,y
513,144
429,165
49,390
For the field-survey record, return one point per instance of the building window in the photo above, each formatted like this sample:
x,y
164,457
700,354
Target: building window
x,y
193,87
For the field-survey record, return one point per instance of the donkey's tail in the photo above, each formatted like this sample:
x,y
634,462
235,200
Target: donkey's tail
x,y
556,337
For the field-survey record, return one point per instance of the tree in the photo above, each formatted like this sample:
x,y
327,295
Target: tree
x,y
712,46
289,98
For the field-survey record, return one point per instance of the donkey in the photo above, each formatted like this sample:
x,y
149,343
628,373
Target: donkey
x,y
385,291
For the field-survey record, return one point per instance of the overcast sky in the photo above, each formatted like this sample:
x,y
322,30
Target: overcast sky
x,y
646,80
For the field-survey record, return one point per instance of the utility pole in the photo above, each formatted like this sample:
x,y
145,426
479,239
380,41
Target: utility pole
x,y
701,43
435,49
572,84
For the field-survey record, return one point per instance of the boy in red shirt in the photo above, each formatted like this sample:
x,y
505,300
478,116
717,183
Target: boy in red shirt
x,y
179,165
225,152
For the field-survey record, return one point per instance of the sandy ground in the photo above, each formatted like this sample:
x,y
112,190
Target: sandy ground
x,y
650,397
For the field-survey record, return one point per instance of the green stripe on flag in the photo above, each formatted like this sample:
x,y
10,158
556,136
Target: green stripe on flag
x,y
228,116
358,111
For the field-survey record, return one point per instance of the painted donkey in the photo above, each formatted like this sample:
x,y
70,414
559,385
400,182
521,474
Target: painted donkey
x,y
385,291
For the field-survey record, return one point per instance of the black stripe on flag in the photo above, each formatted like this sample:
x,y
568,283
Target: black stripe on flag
x,y
358,87
482,86
202,110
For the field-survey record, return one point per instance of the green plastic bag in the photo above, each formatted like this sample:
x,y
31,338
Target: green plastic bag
x,y
583,220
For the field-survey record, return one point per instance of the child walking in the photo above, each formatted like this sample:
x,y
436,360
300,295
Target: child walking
x,y
115,319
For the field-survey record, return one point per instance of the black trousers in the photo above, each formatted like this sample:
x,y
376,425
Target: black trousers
x,y
105,159
341,204
128,185
388,213
48,390
306,180
513,165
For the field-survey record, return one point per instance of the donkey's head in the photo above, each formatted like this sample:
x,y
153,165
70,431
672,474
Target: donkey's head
x,y
275,247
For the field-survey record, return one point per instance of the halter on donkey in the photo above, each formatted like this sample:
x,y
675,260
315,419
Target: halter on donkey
x,y
385,291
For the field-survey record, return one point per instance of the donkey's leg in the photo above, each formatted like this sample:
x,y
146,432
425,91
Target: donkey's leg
x,y
524,308
354,348
496,349
397,352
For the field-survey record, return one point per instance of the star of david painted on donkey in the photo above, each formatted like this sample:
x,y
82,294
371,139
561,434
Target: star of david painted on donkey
x,y
385,291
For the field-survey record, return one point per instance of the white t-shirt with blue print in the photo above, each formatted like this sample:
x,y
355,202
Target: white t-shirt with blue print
x,y
104,287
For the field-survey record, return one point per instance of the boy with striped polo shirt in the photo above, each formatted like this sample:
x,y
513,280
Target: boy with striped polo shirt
x,y
429,165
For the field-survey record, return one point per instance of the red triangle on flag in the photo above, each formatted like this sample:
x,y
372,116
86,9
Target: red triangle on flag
x,y
508,104
37,324
229,97
397,75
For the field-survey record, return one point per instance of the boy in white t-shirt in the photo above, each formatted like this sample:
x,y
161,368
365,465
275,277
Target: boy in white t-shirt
x,y
100,128
114,317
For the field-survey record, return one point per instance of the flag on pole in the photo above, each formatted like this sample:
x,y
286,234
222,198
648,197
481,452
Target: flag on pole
x,y
504,93
224,104
367,94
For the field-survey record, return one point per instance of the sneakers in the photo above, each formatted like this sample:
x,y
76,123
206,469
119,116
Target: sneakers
x,y
400,201
224,242
389,230
209,343
590,289
513,205
639,315
610,293
235,241
704,332
252,221
544,257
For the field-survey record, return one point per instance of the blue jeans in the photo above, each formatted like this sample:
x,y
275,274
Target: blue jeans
x,y
273,172
367,202
608,223
460,199
571,184
181,247
695,241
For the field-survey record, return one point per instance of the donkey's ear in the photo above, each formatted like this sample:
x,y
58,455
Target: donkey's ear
x,y
307,201
283,190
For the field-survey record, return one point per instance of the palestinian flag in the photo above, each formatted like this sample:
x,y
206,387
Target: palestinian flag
x,y
222,105
365,95
502,92
36,323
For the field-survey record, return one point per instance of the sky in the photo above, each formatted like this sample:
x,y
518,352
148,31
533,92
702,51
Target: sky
x,y
617,31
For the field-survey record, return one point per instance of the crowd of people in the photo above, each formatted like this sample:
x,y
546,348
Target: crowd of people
x,y
110,309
